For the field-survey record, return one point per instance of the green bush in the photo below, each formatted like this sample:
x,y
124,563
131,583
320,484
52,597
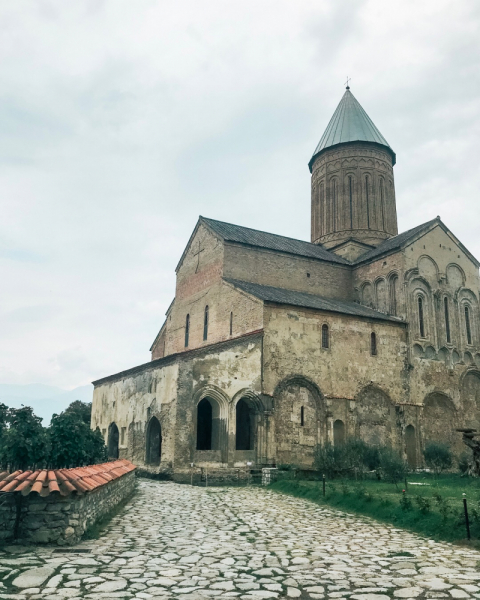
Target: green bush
x,y
464,461
438,457
392,465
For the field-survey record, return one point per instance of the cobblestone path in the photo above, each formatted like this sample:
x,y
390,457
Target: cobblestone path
x,y
186,543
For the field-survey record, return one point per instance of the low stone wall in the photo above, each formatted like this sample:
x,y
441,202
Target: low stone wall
x,y
59,519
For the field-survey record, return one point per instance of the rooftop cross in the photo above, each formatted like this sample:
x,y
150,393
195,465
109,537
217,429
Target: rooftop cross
x,y
347,82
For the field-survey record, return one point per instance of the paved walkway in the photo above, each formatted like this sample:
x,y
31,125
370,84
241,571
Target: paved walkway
x,y
186,543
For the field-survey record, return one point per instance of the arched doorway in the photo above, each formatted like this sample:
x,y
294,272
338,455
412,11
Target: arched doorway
x,y
204,425
113,439
153,442
411,446
338,432
244,426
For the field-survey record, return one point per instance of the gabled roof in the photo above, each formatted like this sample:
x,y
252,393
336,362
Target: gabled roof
x,y
405,238
350,123
270,241
305,300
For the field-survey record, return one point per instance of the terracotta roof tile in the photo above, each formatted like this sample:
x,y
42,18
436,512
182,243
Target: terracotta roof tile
x,y
64,481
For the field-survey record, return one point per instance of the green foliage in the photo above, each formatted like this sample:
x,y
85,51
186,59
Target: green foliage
x,y
394,468
405,502
438,457
24,443
73,442
355,458
424,504
68,442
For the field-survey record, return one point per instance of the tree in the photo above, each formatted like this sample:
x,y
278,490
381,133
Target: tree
x,y
438,457
73,442
23,442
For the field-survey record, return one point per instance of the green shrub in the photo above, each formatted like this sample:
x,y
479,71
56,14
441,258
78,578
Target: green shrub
x,y
464,461
424,504
438,457
405,502
392,465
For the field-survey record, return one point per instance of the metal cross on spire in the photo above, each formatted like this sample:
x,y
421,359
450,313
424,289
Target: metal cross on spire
x,y
348,81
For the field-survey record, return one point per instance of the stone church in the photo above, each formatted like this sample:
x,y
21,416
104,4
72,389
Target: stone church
x,y
273,346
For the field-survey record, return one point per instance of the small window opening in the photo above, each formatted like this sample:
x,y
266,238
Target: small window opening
x,y
447,320
373,344
421,320
187,330
205,324
467,326
325,336
350,192
308,274
367,200
123,432
231,323
302,416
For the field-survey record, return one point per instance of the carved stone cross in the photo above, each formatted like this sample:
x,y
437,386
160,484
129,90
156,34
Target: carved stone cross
x,y
197,254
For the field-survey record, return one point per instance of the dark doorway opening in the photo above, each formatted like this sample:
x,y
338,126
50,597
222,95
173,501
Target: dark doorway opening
x,y
244,422
411,446
154,442
113,438
204,425
338,433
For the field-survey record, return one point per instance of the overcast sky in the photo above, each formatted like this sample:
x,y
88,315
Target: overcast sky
x,y
121,121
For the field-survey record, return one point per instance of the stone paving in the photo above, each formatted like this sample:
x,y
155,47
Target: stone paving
x,y
182,543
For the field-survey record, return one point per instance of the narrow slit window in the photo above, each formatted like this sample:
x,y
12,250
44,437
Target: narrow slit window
x,y
421,319
373,344
187,330
447,320
205,324
325,336
393,295
231,323
302,416
467,325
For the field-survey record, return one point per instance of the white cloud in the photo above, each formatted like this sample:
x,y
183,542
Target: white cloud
x,y
122,121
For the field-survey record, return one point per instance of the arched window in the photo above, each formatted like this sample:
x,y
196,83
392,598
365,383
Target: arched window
x,y
231,323
421,317
393,295
113,439
468,328
382,202
325,336
367,198
333,185
302,416
447,319
154,442
350,197
338,432
205,324
204,425
244,420
187,330
373,344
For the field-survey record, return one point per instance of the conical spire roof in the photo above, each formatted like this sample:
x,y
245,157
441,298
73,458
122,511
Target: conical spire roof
x,y
350,123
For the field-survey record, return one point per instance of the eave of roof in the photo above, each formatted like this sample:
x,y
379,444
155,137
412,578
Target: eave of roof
x,y
270,241
313,301
407,237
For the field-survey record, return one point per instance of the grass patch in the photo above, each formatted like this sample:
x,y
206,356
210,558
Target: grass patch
x,y
95,531
434,509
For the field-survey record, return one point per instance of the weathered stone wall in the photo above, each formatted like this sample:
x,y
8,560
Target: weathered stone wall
x,y
277,269
369,217
61,519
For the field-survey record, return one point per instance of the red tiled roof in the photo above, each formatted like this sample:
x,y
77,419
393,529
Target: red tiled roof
x,y
64,481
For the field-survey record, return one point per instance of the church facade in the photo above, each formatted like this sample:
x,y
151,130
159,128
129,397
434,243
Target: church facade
x,y
273,346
